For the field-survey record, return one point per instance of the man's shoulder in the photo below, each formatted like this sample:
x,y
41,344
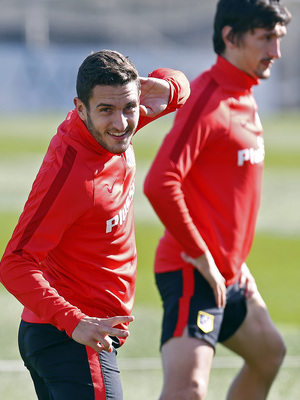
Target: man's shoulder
x,y
204,90
65,160
201,79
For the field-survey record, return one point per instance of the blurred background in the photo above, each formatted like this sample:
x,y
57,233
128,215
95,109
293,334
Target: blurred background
x,y
43,42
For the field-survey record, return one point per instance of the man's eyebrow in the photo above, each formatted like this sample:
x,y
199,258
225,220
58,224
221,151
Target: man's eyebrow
x,y
130,103
104,105
274,31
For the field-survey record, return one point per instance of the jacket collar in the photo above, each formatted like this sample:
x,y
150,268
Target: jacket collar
x,y
74,129
232,78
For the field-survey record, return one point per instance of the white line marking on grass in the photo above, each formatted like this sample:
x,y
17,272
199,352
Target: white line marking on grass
x,y
11,366
135,364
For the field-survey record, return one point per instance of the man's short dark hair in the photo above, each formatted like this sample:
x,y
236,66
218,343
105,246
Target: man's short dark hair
x,y
105,67
246,15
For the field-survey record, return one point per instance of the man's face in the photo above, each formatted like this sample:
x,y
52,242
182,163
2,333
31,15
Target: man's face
x,y
257,50
112,116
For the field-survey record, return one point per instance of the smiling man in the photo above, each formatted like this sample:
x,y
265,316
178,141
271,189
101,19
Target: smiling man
x,y
72,258
111,116
205,185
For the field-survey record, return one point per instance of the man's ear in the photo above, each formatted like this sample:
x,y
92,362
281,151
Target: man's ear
x,y
81,108
228,37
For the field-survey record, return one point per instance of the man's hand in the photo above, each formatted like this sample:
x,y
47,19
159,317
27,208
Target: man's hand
x,y
208,269
155,94
247,281
95,332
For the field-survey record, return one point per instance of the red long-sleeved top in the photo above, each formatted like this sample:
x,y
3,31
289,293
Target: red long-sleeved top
x,y
73,251
205,183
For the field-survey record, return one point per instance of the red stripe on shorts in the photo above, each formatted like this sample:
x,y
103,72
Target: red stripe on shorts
x,y
188,283
96,372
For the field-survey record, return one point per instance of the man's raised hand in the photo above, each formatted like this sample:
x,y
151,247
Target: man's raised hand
x,y
155,94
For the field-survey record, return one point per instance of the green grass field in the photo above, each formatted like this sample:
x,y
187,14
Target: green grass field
x,y
274,259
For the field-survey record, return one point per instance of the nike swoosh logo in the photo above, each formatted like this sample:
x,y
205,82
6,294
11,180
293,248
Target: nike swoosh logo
x,y
110,189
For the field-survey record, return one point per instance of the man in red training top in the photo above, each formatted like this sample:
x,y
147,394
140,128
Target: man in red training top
x,y
72,258
205,186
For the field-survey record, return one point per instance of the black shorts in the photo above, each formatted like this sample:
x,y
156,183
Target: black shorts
x,y
188,300
64,369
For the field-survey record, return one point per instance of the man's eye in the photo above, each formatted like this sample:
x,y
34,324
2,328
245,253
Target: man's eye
x,y
269,38
131,107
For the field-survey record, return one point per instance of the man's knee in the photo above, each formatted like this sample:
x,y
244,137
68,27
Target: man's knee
x,y
196,390
272,358
277,353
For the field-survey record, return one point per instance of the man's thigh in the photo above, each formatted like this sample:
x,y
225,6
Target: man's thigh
x,y
186,364
188,301
257,336
192,324
65,368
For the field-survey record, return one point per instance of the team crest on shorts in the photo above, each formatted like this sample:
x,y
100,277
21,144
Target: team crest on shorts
x,y
205,321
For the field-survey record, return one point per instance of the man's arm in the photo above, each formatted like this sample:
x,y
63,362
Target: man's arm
x,y
208,269
163,92
163,187
163,184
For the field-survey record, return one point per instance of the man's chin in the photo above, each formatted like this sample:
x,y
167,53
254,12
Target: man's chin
x,y
264,74
120,148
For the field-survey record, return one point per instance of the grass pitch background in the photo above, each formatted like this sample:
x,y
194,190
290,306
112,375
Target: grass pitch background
x,y
274,259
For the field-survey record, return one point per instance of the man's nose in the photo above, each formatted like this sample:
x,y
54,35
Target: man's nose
x,y
274,51
120,121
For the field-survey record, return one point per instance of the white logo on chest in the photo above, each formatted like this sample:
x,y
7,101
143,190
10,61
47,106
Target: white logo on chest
x,y
254,156
119,218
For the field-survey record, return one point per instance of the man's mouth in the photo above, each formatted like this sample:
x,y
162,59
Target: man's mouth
x,y
120,135
267,62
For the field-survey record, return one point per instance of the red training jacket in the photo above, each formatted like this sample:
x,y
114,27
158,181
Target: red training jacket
x,y
205,183
73,251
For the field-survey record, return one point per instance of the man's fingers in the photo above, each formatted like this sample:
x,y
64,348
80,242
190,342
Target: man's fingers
x,y
105,344
95,332
207,267
110,329
221,302
98,347
112,321
118,332
220,295
145,112
150,112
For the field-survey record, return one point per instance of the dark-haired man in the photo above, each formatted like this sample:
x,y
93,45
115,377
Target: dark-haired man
x,y
205,185
72,258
